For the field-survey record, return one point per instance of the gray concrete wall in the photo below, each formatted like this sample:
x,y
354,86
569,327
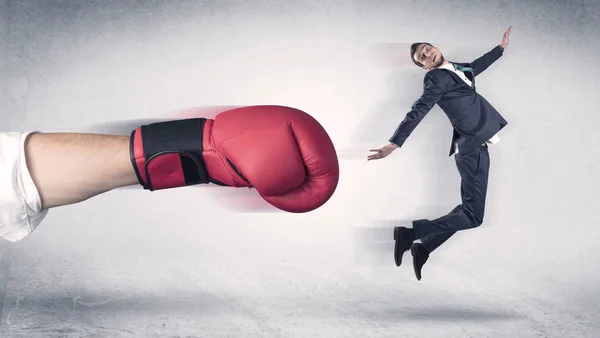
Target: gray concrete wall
x,y
188,262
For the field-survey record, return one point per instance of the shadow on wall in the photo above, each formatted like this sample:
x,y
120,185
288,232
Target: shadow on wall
x,y
379,124
125,127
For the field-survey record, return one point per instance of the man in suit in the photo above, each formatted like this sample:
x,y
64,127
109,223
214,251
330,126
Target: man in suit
x,y
451,86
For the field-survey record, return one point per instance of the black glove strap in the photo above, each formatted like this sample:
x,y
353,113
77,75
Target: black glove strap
x,y
182,137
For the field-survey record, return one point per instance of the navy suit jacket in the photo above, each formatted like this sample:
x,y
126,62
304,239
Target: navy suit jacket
x,y
473,118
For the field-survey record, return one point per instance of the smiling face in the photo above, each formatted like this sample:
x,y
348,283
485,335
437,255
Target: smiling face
x,y
427,56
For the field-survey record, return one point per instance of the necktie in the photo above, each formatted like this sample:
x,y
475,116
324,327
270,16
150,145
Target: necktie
x,y
463,69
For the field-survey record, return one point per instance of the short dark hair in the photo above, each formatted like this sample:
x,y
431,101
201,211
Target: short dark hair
x,y
413,50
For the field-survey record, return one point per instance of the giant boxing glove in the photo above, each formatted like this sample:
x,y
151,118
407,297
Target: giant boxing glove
x,y
282,152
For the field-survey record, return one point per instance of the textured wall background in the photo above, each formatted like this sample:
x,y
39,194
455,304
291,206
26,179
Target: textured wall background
x,y
186,262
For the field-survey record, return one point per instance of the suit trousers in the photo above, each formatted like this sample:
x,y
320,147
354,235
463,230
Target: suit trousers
x,y
473,168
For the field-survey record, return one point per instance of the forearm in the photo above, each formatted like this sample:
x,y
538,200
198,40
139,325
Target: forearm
x,y
403,131
482,63
418,112
72,167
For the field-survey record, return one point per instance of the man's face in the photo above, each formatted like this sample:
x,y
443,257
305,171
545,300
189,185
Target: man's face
x,y
429,56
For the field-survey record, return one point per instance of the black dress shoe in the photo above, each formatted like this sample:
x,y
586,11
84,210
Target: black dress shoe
x,y
403,238
420,256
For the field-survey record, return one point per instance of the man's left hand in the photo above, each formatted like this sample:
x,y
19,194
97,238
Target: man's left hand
x,y
382,152
504,43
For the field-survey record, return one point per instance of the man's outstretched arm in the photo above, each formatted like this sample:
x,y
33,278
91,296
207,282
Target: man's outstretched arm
x,y
432,93
41,171
482,63
71,167
485,61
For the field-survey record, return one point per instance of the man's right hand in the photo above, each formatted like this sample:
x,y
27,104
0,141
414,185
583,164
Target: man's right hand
x,y
504,42
382,152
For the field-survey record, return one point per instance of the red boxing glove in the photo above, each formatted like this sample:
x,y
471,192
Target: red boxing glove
x,y
284,153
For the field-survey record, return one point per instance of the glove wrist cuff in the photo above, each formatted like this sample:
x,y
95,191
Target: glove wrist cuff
x,y
169,154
